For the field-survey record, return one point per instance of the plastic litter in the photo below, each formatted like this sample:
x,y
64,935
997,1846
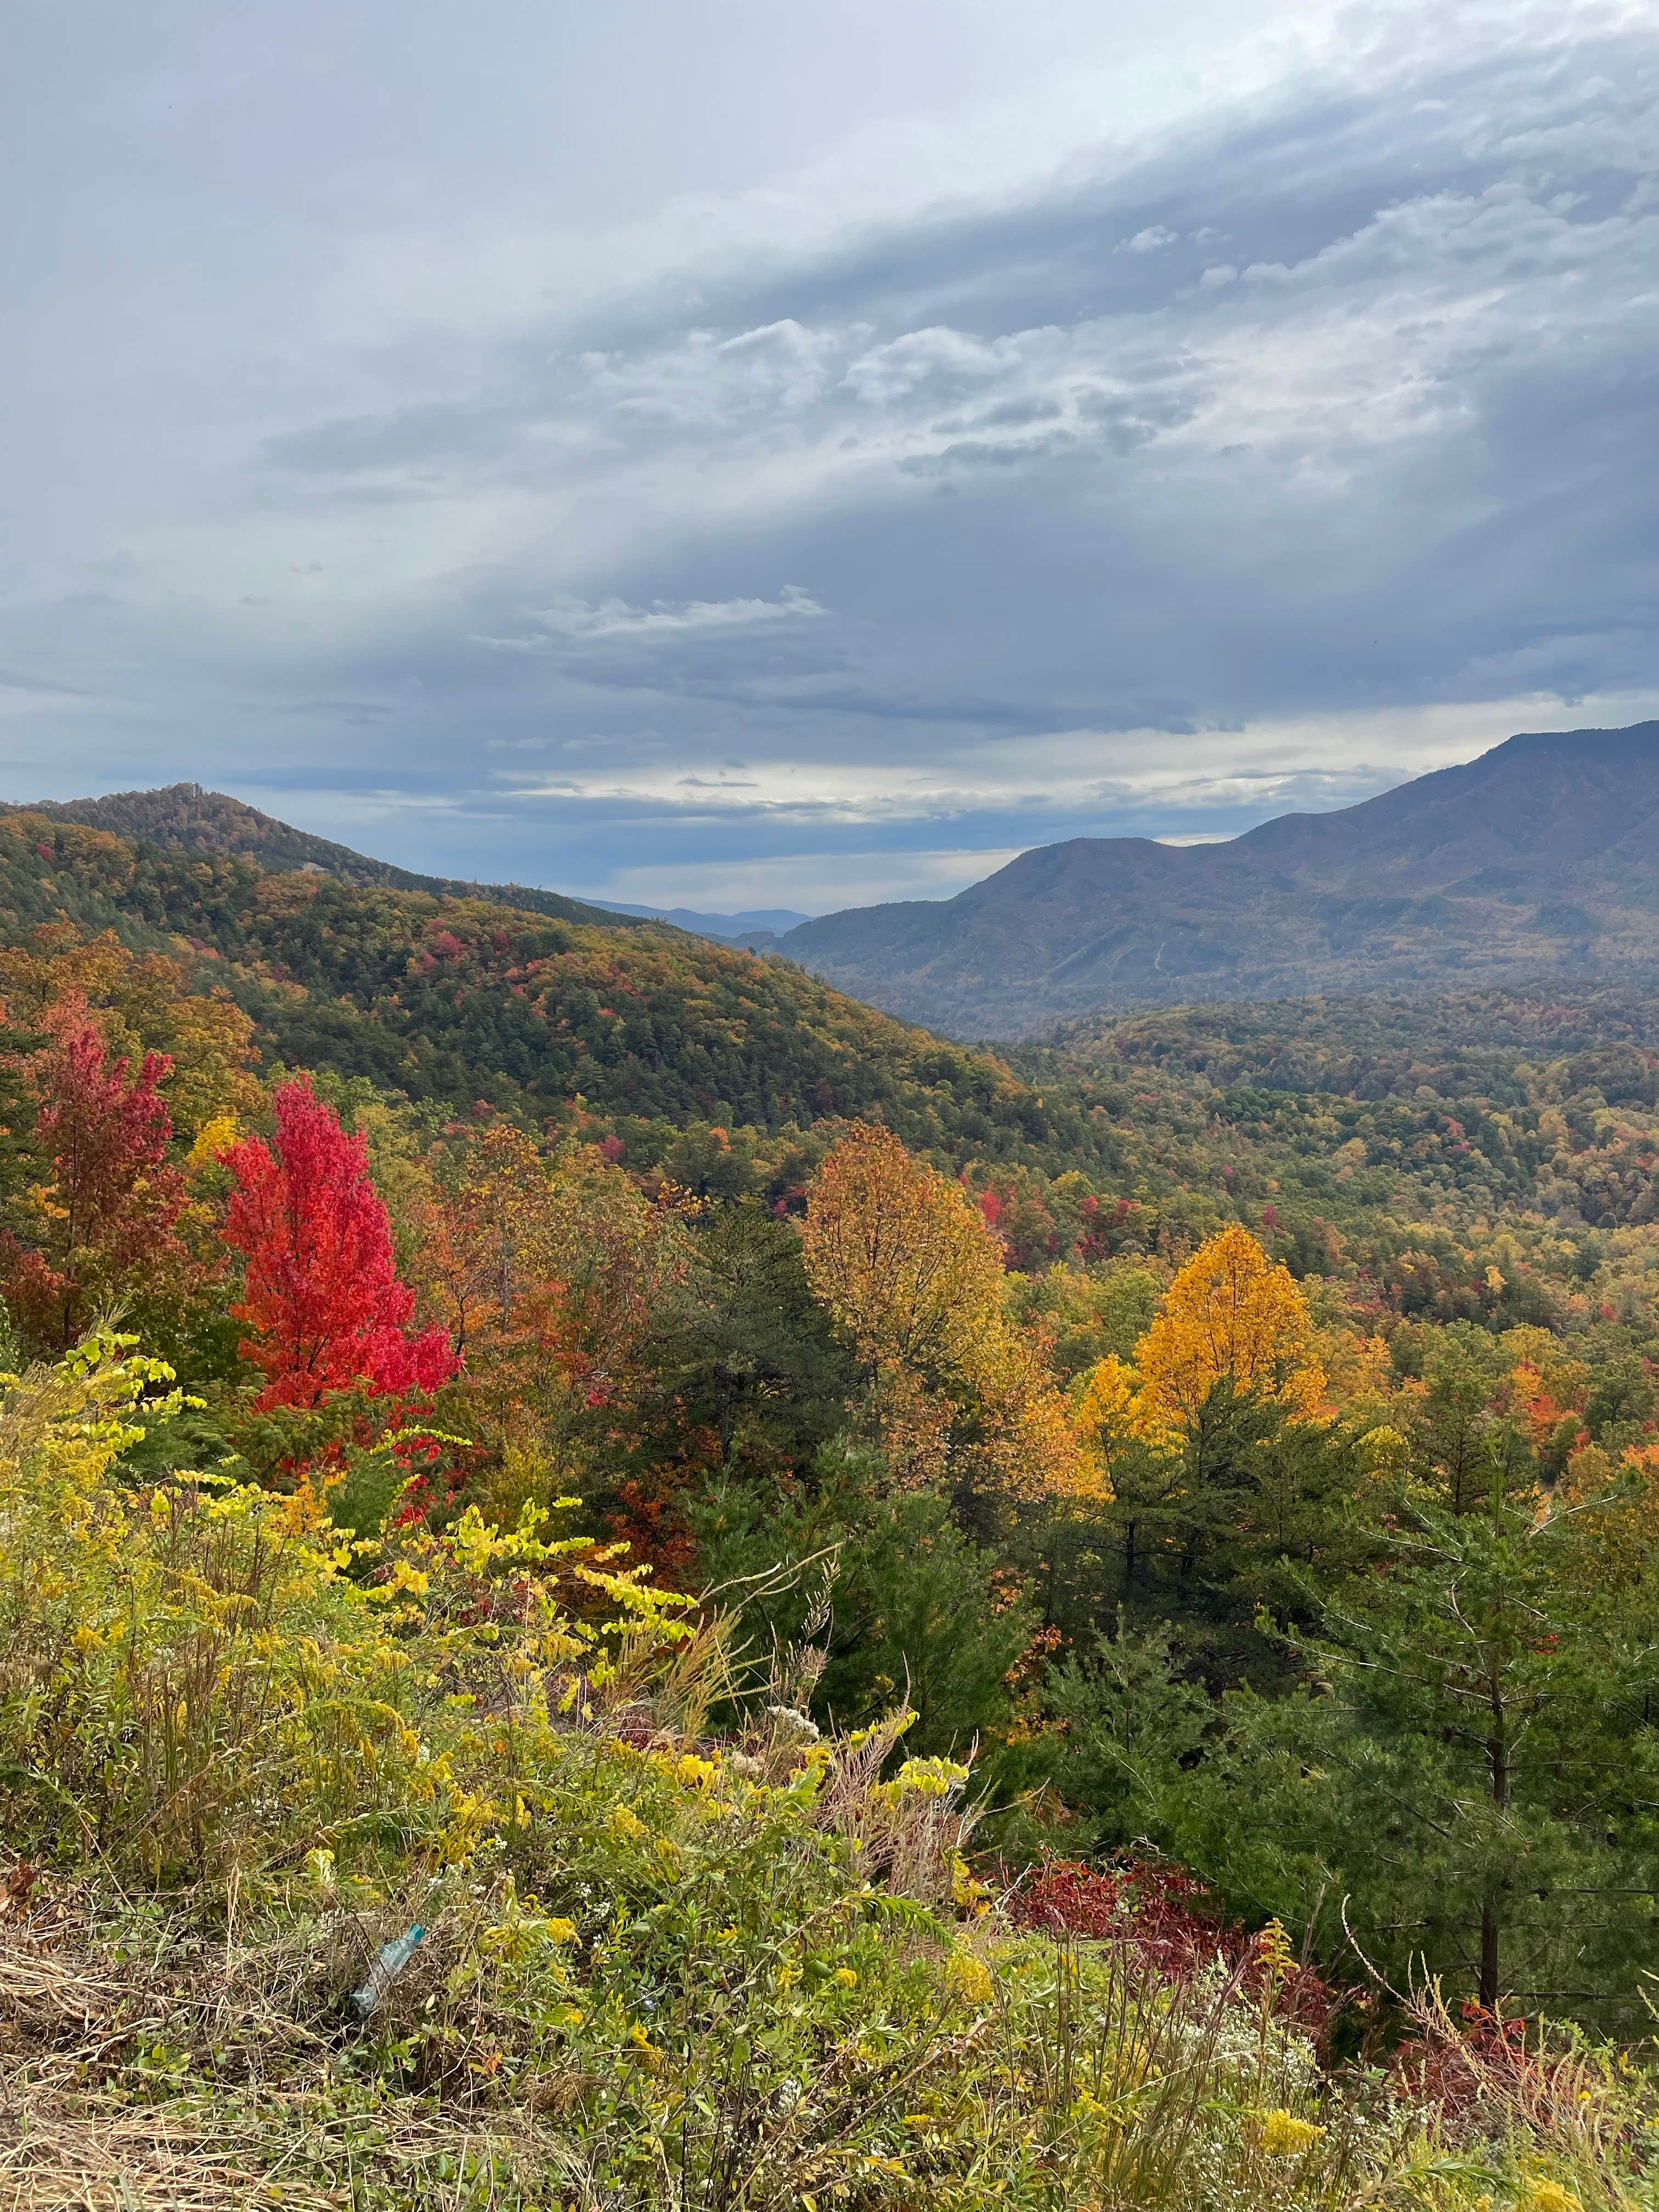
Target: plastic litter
x,y
393,1958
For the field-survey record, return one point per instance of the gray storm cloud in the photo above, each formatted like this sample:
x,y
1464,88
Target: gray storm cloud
x,y
1257,456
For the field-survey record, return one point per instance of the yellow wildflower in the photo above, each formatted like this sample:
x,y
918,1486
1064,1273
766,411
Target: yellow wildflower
x,y
969,1976
1283,2136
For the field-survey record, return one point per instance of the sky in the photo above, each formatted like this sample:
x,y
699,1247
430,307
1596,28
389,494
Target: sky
x,y
734,454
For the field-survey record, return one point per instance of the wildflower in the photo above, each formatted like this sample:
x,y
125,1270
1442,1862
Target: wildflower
x,y
969,1976
1274,1947
792,1721
1549,2197
626,1823
695,1773
966,1889
1283,2136
846,1977
929,1777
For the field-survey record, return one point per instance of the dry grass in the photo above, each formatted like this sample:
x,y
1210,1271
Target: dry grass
x,y
86,2123
109,2158
294,2153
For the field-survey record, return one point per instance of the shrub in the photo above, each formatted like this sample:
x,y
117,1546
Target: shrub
x,y
652,1969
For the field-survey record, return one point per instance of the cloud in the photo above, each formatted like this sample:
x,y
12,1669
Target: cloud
x,y
663,619
1290,433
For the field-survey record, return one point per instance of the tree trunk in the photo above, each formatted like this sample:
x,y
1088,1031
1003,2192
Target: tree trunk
x,y
1488,1956
1497,1755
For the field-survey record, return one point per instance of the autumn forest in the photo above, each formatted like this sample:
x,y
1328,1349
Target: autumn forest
x,y
874,1605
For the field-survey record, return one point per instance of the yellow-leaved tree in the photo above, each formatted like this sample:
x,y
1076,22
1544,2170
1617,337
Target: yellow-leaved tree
x,y
1231,1315
904,1262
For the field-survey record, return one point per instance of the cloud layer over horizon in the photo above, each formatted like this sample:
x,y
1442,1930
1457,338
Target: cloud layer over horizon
x,y
700,459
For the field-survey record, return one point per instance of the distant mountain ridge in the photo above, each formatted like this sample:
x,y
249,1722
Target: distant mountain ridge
x,y
753,922
1539,858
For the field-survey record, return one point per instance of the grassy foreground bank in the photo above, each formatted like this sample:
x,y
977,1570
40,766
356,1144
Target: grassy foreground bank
x,y
679,1948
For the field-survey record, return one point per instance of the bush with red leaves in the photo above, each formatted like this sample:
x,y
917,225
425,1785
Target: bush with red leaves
x,y
1488,2061
1162,1915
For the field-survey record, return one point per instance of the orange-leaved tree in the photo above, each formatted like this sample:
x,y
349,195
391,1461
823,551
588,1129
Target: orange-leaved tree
x,y
908,1267
546,1271
1232,1316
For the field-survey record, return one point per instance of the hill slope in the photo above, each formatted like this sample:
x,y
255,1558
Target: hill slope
x,y
457,1000
1539,858
183,816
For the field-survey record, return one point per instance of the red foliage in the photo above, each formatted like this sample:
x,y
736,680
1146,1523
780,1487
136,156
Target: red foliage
x,y
1105,1232
1457,2074
650,1520
323,1302
1161,1914
113,1202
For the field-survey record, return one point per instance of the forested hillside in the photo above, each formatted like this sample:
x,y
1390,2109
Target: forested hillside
x,y
457,1002
625,1584
184,817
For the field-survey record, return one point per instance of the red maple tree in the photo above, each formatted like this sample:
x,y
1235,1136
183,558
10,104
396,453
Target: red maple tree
x,y
323,1304
105,1219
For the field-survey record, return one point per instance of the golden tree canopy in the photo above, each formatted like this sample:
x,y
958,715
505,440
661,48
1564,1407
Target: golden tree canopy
x,y
903,1260
1233,1313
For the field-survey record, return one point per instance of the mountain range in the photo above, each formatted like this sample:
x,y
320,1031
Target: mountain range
x,y
764,922
1538,859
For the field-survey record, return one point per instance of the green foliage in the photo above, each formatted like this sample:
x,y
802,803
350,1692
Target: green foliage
x,y
898,1604
458,1000
1088,1313
1463,1777
741,1348
1234,1521
655,1971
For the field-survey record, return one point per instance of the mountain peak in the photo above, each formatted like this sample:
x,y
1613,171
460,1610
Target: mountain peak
x,y
1539,857
184,817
